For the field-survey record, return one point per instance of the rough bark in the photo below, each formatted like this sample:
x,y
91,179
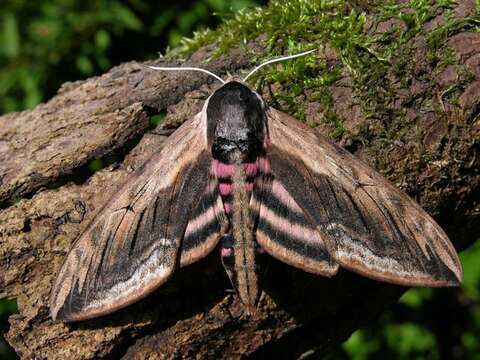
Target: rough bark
x,y
47,200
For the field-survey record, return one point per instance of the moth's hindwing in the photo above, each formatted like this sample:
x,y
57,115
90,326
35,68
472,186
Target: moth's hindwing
x,y
207,224
366,224
131,247
285,232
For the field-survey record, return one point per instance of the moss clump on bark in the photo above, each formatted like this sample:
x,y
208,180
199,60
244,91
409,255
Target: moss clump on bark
x,y
366,52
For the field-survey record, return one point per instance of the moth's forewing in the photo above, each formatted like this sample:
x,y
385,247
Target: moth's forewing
x,y
366,224
131,247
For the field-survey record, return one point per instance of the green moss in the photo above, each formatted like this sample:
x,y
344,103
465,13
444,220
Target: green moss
x,y
437,38
294,27
366,57
440,55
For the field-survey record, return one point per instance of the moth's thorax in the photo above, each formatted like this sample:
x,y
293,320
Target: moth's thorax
x,y
235,123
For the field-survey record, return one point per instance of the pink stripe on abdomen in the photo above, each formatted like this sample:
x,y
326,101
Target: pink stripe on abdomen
x,y
251,169
222,170
225,188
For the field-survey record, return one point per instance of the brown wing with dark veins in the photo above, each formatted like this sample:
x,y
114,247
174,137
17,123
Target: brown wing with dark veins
x,y
131,247
366,224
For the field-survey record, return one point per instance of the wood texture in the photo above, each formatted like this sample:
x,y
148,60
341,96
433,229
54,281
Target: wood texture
x,y
42,150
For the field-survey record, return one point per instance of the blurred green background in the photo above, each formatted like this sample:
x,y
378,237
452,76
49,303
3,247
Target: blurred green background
x,y
45,43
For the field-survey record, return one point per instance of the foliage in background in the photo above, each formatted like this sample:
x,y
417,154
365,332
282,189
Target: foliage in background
x,y
45,43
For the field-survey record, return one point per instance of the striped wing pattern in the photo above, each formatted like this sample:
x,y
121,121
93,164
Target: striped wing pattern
x,y
361,220
284,231
207,224
132,246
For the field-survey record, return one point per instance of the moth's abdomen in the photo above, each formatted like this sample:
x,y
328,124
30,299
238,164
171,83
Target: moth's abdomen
x,y
226,184
239,248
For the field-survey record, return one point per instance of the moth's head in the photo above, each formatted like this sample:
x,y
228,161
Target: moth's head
x,y
235,123
236,119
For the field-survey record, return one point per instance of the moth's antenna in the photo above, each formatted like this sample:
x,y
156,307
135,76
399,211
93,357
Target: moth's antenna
x,y
278,59
186,69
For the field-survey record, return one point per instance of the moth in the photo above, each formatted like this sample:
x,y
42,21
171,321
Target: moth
x,y
247,179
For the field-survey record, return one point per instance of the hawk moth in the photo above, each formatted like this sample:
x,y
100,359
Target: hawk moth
x,y
247,178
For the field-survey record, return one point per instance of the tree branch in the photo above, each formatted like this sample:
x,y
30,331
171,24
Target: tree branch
x,y
433,155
